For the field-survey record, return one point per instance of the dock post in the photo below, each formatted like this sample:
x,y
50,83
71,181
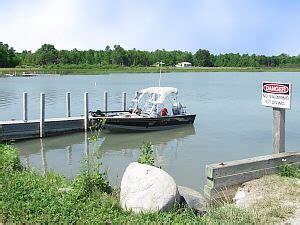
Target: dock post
x,y
86,111
25,108
278,130
42,115
124,101
105,101
68,104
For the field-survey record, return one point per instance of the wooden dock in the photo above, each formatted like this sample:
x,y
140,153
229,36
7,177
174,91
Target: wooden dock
x,y
42,127
19,129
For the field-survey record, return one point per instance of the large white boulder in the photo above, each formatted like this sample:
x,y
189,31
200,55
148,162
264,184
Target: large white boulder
x,y
146,188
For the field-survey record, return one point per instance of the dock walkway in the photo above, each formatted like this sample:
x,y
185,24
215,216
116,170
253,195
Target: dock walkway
x,y
20,129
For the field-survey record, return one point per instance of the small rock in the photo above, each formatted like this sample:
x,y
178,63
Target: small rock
x,y
146,188
192,199
239,196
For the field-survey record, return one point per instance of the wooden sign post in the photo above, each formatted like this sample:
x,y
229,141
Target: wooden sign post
x,y
277,96
278,130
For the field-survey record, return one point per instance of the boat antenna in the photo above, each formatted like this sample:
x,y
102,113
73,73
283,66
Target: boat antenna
x,y
160,65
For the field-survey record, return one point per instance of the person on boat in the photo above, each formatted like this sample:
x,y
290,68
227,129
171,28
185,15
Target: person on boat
x,y
137,111
163,112
177,109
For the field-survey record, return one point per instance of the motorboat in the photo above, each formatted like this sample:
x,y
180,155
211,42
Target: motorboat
x,y
10,74
28,74
153,108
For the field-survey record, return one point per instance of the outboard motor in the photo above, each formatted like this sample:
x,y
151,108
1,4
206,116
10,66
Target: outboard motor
x,y
177,108
96,113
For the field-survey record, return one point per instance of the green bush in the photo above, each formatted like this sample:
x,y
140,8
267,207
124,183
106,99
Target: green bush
x,y
87,183
90,179
146,154
288,170
9,158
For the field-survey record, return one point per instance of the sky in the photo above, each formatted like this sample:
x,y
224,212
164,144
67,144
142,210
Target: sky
x,y
268,27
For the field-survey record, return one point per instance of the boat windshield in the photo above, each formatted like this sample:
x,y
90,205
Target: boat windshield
x,y
148,108
152,103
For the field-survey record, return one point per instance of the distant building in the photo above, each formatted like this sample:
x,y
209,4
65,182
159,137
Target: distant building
x,y
184,64
158,64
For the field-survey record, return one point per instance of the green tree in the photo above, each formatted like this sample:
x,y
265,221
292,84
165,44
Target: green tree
x,y
119,56
107,56
46,55
202,58
138,58
184,57
75,56
64,57
8,57
90,57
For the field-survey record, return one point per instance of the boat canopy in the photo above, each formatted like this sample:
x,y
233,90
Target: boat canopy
x,y
163,92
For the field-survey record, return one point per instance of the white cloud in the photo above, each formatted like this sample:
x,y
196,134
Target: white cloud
x,y
30,24
218,25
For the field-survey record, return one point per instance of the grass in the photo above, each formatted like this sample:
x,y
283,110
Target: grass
x,y
96,69
9,159
277,203
28,197
274,198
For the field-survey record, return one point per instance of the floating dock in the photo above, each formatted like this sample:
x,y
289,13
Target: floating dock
x,y
42,127
19,129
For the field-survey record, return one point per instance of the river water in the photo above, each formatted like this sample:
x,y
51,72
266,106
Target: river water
x,y
230,124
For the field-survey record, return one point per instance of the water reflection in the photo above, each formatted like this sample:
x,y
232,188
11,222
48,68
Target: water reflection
x,y
43,157
69,152
64,154
117,141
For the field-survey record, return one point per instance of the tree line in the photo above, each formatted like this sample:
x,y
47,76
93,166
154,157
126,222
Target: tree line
x,y
47,54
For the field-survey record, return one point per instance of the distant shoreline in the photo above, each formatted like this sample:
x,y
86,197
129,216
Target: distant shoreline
x,y
104,70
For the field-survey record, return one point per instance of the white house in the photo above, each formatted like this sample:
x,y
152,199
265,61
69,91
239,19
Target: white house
x,y
184,64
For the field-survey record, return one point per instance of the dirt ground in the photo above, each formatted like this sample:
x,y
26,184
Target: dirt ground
x,y
275,198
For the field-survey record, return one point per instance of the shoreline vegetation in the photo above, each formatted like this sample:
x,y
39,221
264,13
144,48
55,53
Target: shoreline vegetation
x,y
26,196
49,60
96,70
29,197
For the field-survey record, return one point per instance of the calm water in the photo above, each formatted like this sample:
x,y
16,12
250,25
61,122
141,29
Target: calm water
x,y
230,123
